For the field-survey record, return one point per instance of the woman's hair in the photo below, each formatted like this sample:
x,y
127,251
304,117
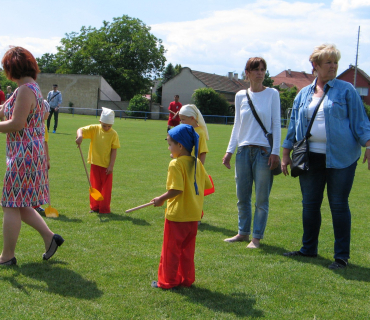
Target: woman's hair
x,y
18,63
253,63
323,51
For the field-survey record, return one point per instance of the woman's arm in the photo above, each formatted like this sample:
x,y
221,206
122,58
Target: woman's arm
x,y
24,102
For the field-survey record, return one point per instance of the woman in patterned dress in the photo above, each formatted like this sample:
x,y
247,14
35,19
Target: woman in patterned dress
x,y
26,178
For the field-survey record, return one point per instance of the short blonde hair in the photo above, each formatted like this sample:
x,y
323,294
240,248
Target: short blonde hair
x,y
323,51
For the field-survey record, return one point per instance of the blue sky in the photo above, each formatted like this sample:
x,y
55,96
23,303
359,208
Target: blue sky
x,y
215,36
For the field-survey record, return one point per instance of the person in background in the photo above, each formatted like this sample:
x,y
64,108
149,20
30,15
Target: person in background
x,y
9,92
340,128
255,159
55,101
2,96
23,186
174,108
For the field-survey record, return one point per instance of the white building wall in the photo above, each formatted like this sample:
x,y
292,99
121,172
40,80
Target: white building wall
x,y
107,92
184,84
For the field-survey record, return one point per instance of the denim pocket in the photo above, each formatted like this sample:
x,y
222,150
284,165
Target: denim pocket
x,y
339,109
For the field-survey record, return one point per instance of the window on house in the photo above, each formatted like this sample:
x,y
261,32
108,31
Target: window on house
x,y
363,92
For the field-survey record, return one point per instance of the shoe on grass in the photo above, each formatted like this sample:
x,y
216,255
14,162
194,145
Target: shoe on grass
x,y
40,210
299,253
154,284
94,211
338,264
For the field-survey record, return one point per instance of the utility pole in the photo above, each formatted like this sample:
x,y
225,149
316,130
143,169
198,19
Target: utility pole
x,y
358,40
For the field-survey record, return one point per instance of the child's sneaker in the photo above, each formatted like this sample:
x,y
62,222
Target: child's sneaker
x,y
40,210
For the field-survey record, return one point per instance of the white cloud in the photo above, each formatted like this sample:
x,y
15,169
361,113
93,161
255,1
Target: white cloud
x,y
345,5
36,46
283,33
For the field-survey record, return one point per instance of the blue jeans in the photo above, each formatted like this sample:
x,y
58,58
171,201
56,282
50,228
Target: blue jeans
x,y
339,184
251,164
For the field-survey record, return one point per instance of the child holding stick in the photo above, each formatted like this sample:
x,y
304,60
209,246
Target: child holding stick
x,y
186,182
102,156
190,114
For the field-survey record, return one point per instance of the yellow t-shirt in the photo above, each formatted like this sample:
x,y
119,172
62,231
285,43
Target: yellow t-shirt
x,y
101,145
202,141
187,206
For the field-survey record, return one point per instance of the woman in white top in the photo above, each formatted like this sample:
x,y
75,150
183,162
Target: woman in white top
x,y
254,159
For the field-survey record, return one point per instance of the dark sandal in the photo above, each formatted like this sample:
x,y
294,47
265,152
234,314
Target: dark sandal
x,y
11,262
299,253
56,242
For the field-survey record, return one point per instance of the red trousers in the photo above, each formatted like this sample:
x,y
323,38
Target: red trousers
x,y
176,267
103,183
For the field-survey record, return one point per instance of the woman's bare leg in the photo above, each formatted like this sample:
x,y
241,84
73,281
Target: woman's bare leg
x,y
11,228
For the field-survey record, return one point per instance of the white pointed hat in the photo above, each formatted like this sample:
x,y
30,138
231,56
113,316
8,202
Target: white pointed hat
x,y
107,116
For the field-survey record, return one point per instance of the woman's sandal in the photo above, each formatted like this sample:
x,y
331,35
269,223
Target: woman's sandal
x,y
11,262
56,242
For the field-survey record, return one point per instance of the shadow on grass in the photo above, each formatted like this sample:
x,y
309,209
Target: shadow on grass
x,y
208,227
61,281
352,272
238,304
66,219
119,217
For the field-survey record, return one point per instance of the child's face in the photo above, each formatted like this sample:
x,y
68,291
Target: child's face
x,y
175,148
105,126
188,120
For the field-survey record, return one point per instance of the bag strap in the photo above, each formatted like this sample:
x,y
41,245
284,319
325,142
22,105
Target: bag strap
x,y
308,133
255,114
53,96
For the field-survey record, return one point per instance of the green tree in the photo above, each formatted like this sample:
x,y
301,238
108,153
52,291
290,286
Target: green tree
x,y
178,69
138,103
4,82
124,52
367,110
168,73
286,99
268,82
48,63
210,102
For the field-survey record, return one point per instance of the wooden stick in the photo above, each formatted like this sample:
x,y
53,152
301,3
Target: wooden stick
x,y
140,207
83,161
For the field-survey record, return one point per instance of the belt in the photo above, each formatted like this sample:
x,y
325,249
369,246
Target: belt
x,y
254,146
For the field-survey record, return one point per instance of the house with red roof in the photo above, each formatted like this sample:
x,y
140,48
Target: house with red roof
x,y
362,82
288,79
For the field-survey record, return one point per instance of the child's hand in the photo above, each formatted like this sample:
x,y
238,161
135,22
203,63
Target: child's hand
x,y
109,170
79,140
158,202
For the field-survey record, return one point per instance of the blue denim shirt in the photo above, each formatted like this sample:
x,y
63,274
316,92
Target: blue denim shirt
x,y
346,123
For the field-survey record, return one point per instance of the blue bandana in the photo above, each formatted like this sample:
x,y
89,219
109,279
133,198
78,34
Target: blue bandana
x,y
186,135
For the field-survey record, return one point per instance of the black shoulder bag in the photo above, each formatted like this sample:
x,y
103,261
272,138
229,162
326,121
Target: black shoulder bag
x,y
300,155
268,135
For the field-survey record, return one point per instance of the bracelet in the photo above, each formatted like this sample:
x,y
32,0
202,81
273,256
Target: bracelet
x,y
368,147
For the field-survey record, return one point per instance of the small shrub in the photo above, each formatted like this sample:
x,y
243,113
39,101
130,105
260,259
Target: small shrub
x,y
138,103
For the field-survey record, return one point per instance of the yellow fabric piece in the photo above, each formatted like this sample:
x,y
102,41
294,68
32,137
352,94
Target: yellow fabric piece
x,y
101,144
187,206
202,141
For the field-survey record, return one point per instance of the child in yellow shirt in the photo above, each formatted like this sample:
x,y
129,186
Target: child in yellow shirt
x,y
186,182
102,156
190,114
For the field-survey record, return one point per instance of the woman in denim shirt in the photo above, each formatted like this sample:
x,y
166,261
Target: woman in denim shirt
x,y
340,128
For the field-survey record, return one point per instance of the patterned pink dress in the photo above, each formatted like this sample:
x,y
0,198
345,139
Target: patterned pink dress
x,y
26,179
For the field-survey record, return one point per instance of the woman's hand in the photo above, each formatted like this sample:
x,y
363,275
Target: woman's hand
x,y
273,161
286,161
367,157
226,160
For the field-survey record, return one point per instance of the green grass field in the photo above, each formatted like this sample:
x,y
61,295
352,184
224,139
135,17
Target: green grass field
x,y
106,265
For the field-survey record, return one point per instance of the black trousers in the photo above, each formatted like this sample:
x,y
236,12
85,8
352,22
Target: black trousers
x,y
56,114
